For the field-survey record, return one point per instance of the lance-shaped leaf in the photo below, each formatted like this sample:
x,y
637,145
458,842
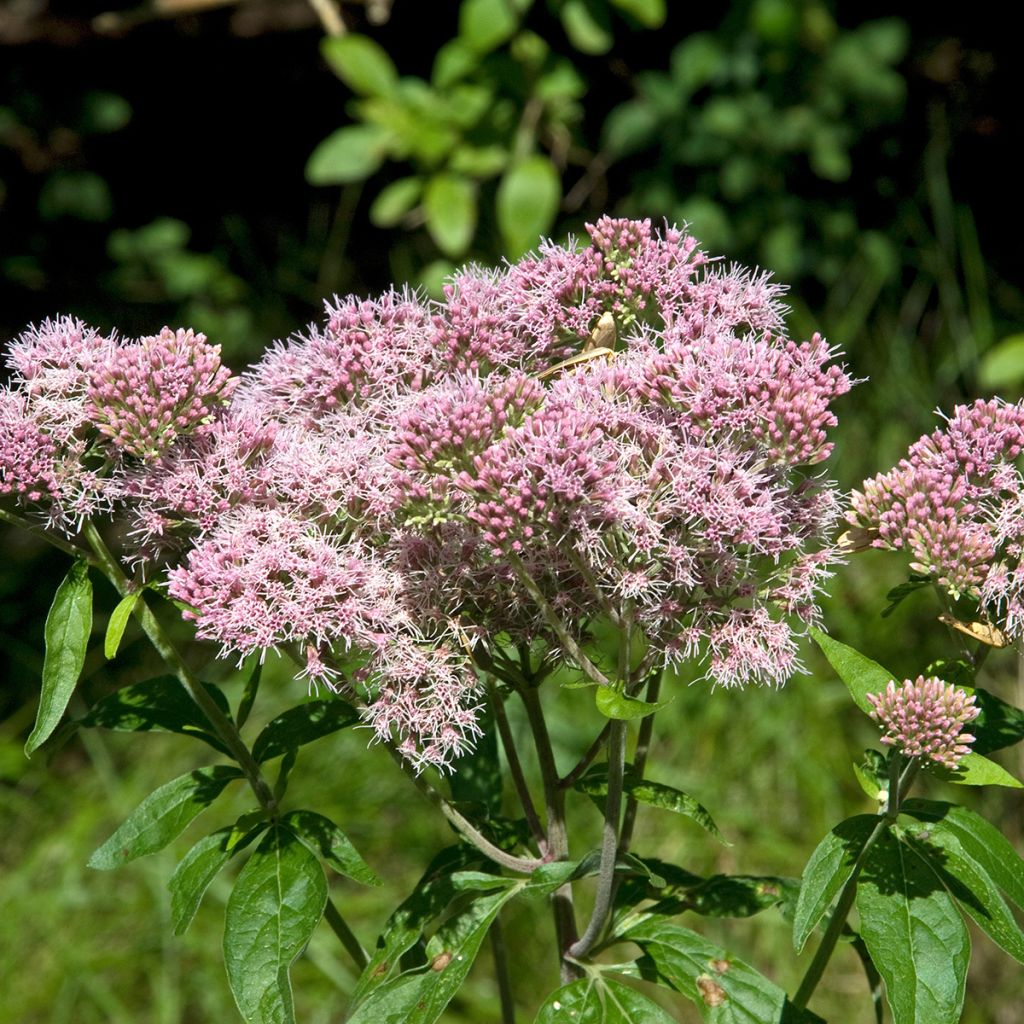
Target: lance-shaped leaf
x,y
118,620
450,954
303,724
198,868
277,900
595,784
914,933
982,841
404,927
600,1000
66,633
860,674
975,770
827,871
163,815
161,703
326,839
725,990
968,883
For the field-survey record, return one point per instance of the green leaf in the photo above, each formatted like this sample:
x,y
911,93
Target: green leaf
x,y
194,873
587,26
248,698
404,927
827,871
873,775
968,883
600,1000
486,24
999,725
161,703
163,815
900,593
450,954
477,774
1002,365
349,154
914,934
529,194
394,201
361,63
118,620
453,61
725,990
860,674
982,841
975,770
326,839
303,724
612,703
277,900
650,13
66,633
595,784
449,205
479,162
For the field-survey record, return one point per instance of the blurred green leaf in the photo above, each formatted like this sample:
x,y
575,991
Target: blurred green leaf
x,y
163,815
480,162
349,154
650,13
278,899
452,62
80,194
587,25
1002,366
449,204
361,63
486,24
394,201
104,112
66,634
527,202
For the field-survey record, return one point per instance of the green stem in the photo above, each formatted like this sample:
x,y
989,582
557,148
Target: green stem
x,y
609,841
595,748
643,746
500,953
345,935
50,538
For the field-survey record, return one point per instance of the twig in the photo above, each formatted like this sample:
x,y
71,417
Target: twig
x,y
330,16
345,935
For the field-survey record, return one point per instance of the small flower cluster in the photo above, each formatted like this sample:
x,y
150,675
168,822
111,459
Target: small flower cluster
x,y
925,718
955,504
617,431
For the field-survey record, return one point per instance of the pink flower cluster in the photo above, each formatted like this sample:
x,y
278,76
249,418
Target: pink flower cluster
x,y
925,718
955,504
616,432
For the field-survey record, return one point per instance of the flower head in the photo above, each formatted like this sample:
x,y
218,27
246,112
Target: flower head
x,y
925,718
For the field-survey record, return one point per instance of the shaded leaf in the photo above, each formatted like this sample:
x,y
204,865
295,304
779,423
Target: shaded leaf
x,y
67,630
914,933
276,902
303,724
827,871
118,620
999,725
477,774
248,698
328,840
163,815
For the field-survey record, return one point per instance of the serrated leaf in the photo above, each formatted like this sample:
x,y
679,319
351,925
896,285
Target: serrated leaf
x,y
859,673
303,724
979,838
194,873
161,703
449,205
914,933
968,883
351,153
725,990
975,770
650,13
394,201
827,871
277,900
118,620
526,204
404,927
361,63
328,840
486,24
163,815
600,1000
587,26
66,633
655,794
612,703
450,952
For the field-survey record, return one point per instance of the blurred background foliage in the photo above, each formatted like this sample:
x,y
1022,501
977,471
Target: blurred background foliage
x,y
227,165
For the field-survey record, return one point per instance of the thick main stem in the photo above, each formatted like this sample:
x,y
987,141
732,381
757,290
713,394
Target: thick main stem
x,y
609,841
